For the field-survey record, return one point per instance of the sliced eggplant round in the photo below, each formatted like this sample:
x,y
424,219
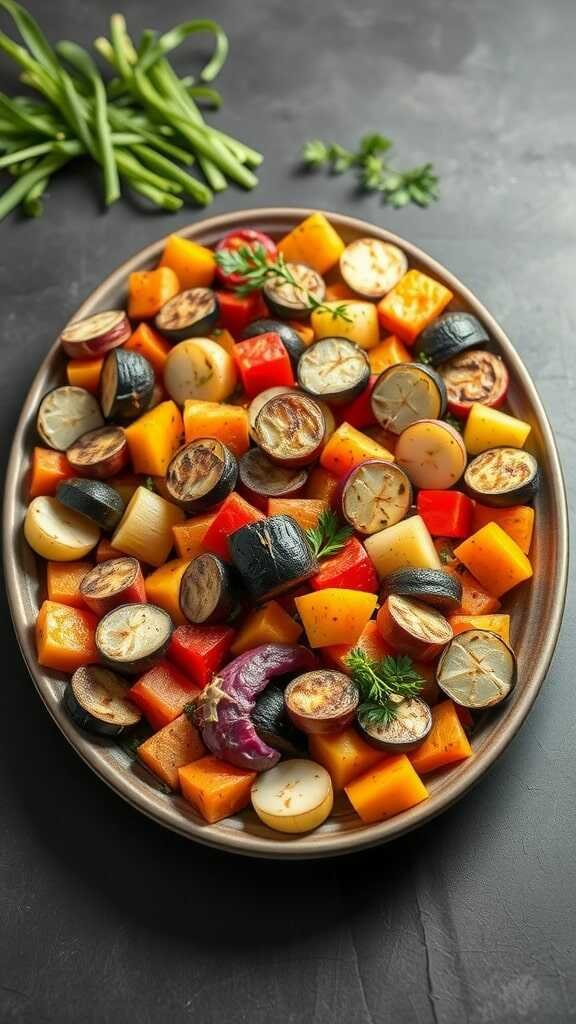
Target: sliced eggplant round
x,y
263,478
413,628
289,336
503,476
94,499
133,637
100,453
477,669
111,583
407,392
259,402
126,385
292,301
334,369
272,555
66,413
321,701
97,701
449,335
432,586
372,267
191,314
273,725
432,454
95,335
408,728
207,591
477,376
290,429
201,475
374,495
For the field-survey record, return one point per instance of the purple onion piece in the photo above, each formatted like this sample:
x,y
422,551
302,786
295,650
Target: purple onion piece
x,y
222,711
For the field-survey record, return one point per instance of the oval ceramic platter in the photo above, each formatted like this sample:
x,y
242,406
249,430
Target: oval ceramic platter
x,y
535,628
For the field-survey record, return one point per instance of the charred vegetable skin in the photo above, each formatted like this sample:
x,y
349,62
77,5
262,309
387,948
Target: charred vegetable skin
x,y
321,701
405,393
502,477
289,337
133,637
290,429
100,453
201,475
208,591
432,586
450,335
190,314
94,499
272,555
97,701
273,725
126,385
223,709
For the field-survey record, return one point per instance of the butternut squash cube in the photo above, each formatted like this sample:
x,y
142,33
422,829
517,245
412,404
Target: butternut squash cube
x,y
494,559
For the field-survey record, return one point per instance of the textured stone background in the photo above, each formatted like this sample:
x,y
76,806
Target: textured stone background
x,y
104,916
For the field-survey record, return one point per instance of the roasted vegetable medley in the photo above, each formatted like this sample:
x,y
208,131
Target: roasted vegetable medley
x,y
280,504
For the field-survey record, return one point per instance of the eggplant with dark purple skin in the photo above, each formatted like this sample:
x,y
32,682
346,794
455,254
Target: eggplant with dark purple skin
x,y
208,591
290,338
190,314
449,335
432,586
201,475
94,499
503,476
100,453
95,335
126,385
273,725
97,701
133,637
222,712
272,555
334,369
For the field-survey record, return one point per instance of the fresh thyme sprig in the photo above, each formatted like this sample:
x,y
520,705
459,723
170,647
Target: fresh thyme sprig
x,y
255,267
383,685
398,188
328,536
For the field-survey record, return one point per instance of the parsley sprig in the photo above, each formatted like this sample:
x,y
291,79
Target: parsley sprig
x,y
383,685
398,188
255,267
328,536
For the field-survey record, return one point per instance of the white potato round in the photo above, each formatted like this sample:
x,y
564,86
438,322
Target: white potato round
x,y
199,368
432,454
372,267
56,532
295,796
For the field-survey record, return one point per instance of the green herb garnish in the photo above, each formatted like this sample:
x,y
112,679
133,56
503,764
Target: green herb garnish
x,y
454,422
398,188
256,267
383,685
328,536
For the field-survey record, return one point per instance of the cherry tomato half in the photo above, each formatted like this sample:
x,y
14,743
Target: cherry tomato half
x,y
235,239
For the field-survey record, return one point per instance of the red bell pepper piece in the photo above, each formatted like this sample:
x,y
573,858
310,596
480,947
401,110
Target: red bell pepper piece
x,y
370,641
162,692
263,362
233,513
446,513
200,650
359,412
350,569
237,311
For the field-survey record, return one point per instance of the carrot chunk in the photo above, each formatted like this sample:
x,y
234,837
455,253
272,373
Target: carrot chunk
x,y
386,789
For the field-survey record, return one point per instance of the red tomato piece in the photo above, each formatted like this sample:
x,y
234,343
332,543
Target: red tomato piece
x,y
263,362
446,513
237,311
359,412
234,240
350,568
161,693
200,650
233,513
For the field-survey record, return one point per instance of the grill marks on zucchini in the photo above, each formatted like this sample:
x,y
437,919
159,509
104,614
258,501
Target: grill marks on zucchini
x,y
100,453
477,669
503,476
207,591
375,494
191,314
201,475
290,429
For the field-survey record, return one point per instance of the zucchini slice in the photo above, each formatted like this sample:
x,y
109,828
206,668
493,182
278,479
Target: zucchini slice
x,y
450,335
273,725
100,453
94,499
292,302
290,338
133,637
374,495
95,335
406,731
477,669
56,533
334,369
476,376
407,392
432,454
207,591
263,478
96,700
372,267
191,314
201,475
290,429
272,555
126,385
502,477
321,701
259,402
64,414
113,582
294,796
432,586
